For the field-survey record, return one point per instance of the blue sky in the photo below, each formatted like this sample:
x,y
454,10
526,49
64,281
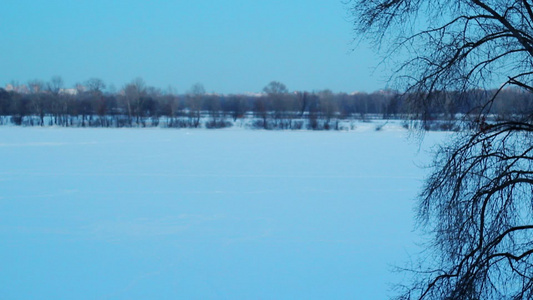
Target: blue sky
x,y
230,46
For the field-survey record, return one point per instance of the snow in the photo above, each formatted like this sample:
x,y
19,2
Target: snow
x,y
206,214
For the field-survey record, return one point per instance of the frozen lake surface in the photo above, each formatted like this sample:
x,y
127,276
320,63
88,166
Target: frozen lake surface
x,y
205,214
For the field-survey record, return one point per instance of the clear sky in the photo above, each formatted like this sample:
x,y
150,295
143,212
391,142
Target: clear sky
x,y
230,46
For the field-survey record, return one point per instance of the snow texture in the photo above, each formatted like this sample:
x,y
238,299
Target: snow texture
x,y
206,214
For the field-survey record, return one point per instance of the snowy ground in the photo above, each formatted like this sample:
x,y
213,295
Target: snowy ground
x,y
205,214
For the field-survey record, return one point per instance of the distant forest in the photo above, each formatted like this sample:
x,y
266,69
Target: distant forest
x,y
136,105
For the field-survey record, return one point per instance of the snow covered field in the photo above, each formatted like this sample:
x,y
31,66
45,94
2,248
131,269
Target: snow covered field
x,y
205,214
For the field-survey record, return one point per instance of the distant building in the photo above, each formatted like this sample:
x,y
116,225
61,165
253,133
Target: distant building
x,y
22,89
252,94
71,92
80,88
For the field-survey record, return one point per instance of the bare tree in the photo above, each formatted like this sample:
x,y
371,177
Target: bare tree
x,y
38,99
20,108
195,98
278,95
476,207
452,45
54,101
95,85
55,85
134,95
275,88
302,100
36,86
328,107
261,109
236,106
5,99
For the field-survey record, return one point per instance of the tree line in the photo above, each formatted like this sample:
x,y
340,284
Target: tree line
x,y
42,103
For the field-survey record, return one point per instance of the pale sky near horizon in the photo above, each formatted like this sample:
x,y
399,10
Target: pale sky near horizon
x,y
231,46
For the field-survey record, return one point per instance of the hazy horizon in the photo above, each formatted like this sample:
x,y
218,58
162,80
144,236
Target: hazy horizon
x,y
230,47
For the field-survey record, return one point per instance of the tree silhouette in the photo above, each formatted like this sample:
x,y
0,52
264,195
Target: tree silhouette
x,y
477,205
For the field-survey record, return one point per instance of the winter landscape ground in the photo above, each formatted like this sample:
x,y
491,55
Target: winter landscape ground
x,y
206,214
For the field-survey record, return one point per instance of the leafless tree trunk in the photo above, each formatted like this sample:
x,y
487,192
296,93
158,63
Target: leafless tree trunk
x,y
477,205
